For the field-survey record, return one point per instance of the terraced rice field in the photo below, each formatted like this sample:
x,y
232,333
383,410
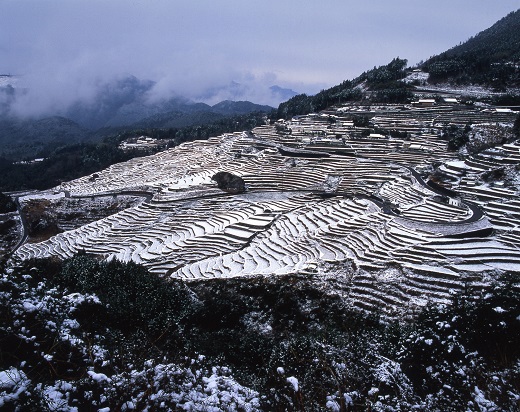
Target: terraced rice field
x,y
360,214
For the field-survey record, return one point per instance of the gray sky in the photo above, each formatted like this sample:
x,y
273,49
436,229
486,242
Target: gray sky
x,y
66,49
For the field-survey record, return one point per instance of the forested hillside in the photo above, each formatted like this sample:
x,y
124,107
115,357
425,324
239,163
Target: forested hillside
x,y
61,162
381,84
491,58
25,138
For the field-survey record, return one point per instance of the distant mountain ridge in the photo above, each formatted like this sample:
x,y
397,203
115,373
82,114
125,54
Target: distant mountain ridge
x,y
199,114
284,93
236,91
228,107
117,106
24,137
125,102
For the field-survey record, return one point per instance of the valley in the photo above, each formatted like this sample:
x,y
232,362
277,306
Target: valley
x,y
352,249
390,220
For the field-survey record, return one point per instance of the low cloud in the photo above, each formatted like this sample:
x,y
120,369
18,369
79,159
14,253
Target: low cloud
x,y
66,52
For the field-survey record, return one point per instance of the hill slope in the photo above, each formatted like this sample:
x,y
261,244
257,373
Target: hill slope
x,y
382,84
25,138
490,58
118,107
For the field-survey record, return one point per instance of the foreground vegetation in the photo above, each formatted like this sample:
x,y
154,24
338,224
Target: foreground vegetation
x,y
86,335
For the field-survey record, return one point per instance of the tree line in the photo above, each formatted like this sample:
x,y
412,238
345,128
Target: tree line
x,y
383,83
69,162
490,58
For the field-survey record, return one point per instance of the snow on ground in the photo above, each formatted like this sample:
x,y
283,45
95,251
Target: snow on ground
x,y
417,76
192,230
464,90
13,383
50,195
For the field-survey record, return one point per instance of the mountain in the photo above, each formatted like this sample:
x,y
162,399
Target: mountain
x,y
282,93
176,119
203,115
109,100
116,106
127,101
24,138
228,107
491,57
235,91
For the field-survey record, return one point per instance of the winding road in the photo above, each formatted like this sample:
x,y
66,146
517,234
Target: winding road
x,y
477,213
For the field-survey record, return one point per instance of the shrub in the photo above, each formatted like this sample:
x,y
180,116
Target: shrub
x,y
75,334
133,297
467,352
6,203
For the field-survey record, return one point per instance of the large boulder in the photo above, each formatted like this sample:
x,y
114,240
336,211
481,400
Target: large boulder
x,y
229,182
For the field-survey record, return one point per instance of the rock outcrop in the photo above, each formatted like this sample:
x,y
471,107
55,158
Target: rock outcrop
x,y
229,182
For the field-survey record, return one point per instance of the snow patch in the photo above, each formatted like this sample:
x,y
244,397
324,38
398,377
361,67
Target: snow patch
x,y
294,382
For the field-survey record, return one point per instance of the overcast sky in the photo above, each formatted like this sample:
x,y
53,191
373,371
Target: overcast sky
x,y
64,49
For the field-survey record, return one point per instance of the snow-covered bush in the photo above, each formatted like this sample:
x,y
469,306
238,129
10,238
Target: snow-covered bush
x,y
461,354
62,350
484,136
275,343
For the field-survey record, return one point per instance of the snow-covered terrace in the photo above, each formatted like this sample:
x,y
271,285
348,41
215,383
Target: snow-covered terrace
x,y
191,230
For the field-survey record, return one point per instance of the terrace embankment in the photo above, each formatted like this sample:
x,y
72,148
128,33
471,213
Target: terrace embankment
x,y
367,218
